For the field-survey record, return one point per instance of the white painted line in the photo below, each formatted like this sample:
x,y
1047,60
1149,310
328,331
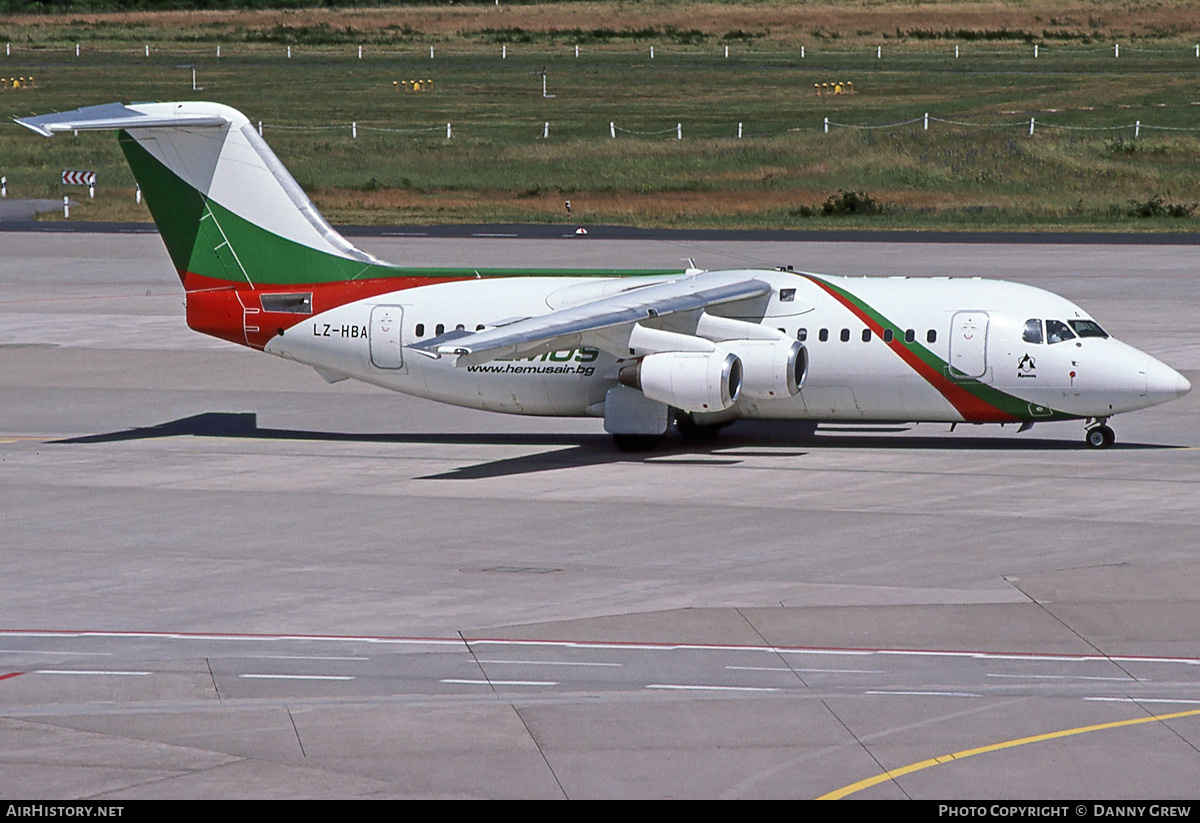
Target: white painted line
x,y
678,687
550,663
457,682
927,694
1140,700
804,671
298,657
93,672
1065,677
405,233
491,234
44,651
295,677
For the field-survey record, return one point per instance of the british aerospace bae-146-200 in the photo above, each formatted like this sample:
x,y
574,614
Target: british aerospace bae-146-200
x,y
641,349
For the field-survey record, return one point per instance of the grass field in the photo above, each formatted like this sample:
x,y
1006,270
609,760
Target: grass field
x,y
1082,167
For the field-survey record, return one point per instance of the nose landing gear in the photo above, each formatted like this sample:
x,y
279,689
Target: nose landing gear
x,y
1100,436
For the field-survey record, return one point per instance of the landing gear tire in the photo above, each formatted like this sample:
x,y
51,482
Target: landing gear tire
x,y
1100,437
635,442
693,432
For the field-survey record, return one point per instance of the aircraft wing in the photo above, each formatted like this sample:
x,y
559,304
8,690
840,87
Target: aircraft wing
x,y
112,116
583,324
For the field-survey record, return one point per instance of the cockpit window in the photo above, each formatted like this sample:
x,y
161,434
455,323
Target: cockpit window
x,y
1057,331
1088,328
1033,331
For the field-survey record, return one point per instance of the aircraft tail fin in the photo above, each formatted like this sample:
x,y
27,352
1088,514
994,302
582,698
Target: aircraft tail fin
x,y
228,211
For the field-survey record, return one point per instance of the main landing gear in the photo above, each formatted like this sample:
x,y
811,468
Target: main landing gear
x,y
1100,436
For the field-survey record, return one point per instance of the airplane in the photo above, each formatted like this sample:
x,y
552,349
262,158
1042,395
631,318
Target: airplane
x,y
643,349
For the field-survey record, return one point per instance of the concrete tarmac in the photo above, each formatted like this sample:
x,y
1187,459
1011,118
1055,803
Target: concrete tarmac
x,y
226,578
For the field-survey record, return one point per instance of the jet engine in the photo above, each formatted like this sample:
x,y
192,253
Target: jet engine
x,y
771,369
691,381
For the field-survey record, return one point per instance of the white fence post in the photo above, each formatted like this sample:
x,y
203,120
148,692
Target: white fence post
x,y
138,196
147,51
612,129
260,128
827,125
1137,129
577,51
679,131
1031,127
802,52
956,52
652,52
66,206
727,52
91,192
431,52
76,49
504,52
739,131
546,130
289,52
878,52
354,130
1116,49
1035,49
926,121
448,133
360,52
218,51
3,187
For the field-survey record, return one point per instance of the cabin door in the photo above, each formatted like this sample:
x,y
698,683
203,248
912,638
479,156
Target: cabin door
x,y
968,344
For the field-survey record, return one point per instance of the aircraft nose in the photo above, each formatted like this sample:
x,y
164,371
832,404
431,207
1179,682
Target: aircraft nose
x,y
1163,383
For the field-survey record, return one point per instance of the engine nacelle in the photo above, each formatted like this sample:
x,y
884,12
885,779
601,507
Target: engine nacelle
x,y
771,369
691,381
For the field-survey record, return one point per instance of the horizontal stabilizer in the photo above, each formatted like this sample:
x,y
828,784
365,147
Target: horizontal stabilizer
x,y
114,116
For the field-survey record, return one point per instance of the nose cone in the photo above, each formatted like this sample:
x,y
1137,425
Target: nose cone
x,y
1163,383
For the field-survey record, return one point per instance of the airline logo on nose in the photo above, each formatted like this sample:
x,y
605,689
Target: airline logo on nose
x,y
1026,366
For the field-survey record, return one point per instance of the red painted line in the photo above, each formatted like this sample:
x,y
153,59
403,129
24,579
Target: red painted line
x,y
10,674
594,643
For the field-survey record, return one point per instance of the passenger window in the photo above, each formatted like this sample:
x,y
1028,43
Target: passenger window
x,y
887,335
460,327
910,335
439,328
1033,331
479,327
801,334
866,335
824,335
845,335
1058,331
1088,328
420,330
931,336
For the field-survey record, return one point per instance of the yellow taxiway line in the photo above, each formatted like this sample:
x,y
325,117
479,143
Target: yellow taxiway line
x,y
846,791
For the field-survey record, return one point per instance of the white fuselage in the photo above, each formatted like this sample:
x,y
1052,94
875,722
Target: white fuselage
x,y
953,347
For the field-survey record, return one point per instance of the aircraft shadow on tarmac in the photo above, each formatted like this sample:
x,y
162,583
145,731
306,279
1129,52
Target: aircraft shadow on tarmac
x,y
750,438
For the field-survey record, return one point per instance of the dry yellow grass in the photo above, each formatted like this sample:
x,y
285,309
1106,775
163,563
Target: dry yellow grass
x,y
850,21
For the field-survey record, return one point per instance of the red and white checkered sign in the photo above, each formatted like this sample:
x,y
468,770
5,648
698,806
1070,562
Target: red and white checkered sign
x,y
78,178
